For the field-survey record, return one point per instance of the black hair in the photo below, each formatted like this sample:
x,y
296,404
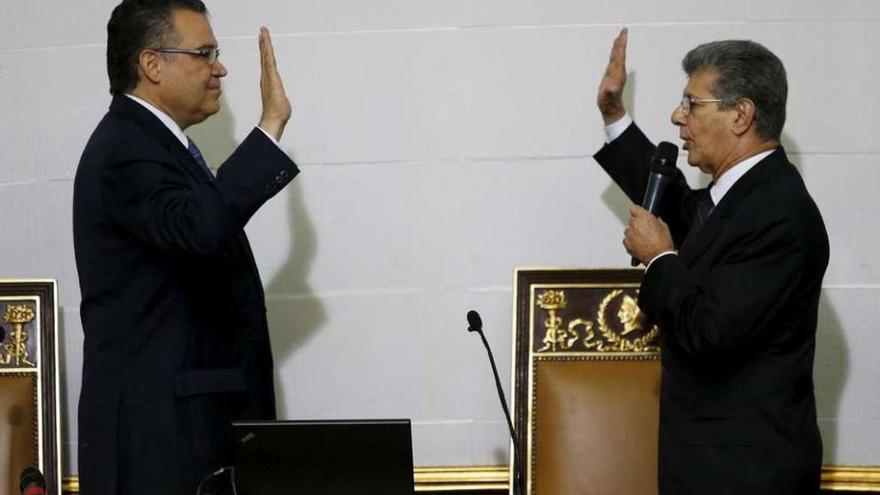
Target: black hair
x,y
135,25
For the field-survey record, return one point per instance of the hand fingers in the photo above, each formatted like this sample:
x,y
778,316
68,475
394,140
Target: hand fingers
x,y
267,51
614,79
618,49
626,241
637,211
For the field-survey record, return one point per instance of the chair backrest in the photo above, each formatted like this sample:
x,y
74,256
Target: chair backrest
x,y
586,383
29,428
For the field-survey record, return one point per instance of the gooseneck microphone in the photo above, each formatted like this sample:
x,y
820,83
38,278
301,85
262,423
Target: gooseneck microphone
x,y
32,482
661,174
475,324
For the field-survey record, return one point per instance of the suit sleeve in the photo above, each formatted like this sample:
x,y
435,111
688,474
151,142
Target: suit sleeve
x,y
738,300
627,161
160,203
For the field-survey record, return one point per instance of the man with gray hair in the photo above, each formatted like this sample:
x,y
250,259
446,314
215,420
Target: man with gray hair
x,y
734,273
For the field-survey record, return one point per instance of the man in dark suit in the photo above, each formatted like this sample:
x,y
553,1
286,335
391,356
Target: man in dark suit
x,y
737,302
176,340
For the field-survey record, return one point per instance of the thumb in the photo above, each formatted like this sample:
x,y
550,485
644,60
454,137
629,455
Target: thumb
x,y
638,211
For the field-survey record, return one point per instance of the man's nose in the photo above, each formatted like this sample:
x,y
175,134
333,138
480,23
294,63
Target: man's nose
x,y
219,70
677,116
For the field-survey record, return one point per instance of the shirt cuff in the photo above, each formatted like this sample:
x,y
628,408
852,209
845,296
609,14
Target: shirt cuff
x,y
664,253
615,129
271,137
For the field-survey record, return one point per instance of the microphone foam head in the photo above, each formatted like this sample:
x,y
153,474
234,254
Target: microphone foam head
x,y
474,321
31,476
665,155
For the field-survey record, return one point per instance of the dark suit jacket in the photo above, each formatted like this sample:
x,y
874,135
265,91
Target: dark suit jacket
x,y
176,341
737,309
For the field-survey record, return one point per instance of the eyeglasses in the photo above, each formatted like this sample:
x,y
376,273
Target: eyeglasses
x,y
688,101
209,55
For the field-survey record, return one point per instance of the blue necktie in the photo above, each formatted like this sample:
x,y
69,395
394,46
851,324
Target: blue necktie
x,y
197,155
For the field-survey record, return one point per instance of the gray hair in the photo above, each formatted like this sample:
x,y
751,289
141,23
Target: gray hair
x,y
745,69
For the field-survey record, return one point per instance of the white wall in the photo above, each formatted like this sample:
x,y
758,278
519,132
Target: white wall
x,y
443,143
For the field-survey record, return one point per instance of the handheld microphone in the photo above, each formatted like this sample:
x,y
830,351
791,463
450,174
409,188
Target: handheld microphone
x,y
32,482
476,325
661,174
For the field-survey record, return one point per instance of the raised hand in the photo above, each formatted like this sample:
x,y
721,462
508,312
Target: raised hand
x,y
610,98
276,106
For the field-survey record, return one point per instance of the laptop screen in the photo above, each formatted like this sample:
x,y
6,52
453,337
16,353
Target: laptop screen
x,y
333,457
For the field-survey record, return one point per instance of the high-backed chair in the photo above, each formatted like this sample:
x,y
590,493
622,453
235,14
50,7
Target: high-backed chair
x,y
586,383
29,429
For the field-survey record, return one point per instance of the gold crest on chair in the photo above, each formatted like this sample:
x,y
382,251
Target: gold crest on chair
x,y
586,383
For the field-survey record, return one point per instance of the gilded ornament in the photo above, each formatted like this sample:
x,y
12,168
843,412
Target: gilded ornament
x,y
631,319
15,351
556,338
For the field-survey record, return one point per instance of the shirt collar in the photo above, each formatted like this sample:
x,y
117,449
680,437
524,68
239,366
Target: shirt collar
x,y
733,174
165,119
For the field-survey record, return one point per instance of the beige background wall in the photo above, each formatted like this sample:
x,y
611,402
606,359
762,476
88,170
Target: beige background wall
x,y
443,143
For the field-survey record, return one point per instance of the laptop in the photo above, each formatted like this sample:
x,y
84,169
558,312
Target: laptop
x,y
328,457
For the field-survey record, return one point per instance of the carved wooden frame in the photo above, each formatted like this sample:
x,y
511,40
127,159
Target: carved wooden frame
x,y
29,310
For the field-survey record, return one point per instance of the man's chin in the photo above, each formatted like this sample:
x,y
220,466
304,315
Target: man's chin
x,y
212,108
203,115
694,161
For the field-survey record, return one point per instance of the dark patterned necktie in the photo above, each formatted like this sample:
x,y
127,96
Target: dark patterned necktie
x,y
197,156
704,209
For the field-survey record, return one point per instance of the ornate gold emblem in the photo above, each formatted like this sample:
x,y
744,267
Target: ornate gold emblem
x,y
556,338
619,321
631,321
14,351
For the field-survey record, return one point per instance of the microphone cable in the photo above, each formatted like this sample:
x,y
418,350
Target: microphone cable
x,y
218,472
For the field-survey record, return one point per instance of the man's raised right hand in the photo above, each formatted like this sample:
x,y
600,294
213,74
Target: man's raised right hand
x,y
610,98
276,107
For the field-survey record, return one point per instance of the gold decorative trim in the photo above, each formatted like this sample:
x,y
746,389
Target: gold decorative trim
x,y
461,479
482,478
70,485
596,356
427,479
851,478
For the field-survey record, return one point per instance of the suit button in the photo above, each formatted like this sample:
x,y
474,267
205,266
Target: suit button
x,y
284,174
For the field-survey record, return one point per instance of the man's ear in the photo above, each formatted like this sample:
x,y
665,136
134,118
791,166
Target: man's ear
x,y
149,66
745,116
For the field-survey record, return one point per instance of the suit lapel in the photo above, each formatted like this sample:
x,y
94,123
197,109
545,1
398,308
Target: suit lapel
x,y
730,203
691,251
157,130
